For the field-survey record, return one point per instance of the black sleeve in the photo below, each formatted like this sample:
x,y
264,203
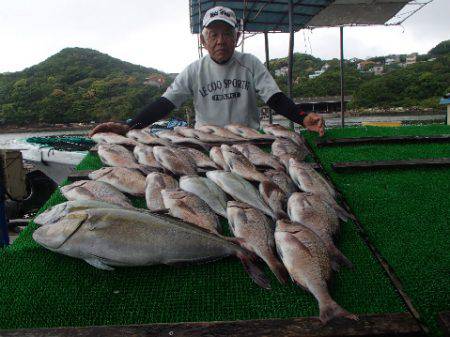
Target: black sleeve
x,y
284,106
151,113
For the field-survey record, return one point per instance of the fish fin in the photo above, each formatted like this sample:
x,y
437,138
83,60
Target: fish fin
x,y
339,258
255,272
98,264
279,270
298,243
146,170
335,265
279,252
333,310
343,214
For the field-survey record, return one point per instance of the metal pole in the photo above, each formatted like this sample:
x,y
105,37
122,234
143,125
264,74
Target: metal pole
x,y
291,52
4,238
342,77
266,42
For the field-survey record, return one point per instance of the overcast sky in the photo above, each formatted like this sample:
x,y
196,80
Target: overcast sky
x,y
156,33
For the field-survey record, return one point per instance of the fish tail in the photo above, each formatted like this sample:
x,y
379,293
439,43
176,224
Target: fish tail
x,y
255,272
333,310
338,257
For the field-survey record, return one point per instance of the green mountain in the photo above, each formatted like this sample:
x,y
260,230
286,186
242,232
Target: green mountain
x,y
76,85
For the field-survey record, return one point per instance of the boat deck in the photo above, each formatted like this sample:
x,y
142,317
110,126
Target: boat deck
x,y
405,213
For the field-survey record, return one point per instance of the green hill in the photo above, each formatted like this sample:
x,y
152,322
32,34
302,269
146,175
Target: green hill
x,y
76,85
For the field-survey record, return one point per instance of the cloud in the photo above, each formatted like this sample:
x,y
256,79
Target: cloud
x,y
157,33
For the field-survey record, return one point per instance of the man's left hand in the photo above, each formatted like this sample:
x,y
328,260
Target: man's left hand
x,y
314,122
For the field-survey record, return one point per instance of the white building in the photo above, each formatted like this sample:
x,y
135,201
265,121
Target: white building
x,y
378,69
281,72
392,60
317,73
411,59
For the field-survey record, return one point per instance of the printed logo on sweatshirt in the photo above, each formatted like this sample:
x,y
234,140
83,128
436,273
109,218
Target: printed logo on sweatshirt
x,y
222,85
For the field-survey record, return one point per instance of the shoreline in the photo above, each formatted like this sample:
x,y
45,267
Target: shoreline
x,y
5,129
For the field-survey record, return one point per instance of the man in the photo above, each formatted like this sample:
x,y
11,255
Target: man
x,y
224,85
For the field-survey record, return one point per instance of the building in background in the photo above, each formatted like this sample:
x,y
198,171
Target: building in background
x,y
411,59
155,80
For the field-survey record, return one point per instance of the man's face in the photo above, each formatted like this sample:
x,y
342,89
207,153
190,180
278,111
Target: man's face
x,y
220,41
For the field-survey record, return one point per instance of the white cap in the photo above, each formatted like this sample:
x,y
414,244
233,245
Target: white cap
x,y
219,13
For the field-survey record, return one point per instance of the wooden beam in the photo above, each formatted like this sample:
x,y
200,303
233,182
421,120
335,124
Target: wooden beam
x,y
395,164
382,140
444,322
398,324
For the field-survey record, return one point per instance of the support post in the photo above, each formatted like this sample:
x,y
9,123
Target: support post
x,y
4,238
266,44
291,53
342,76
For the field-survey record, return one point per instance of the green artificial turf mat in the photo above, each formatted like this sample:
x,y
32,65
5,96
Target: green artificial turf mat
x,y
39,288
406,212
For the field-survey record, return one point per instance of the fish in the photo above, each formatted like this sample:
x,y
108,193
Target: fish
x,y
308,179
144,155
108,238
255,232
199,158
283,181
247,133
174,161
95,190
206,190
216,155
274,197
258,157
117,156
126,180
284,149
300,210
112,138
240,189
219,131
200,135
145,138
240,165
306,259
175,138
280,131
155,183
330,208
190,208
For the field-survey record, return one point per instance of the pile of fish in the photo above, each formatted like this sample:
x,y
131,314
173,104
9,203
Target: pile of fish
x,y
278,207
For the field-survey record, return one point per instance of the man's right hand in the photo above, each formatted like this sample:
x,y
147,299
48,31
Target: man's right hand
x,y
120,129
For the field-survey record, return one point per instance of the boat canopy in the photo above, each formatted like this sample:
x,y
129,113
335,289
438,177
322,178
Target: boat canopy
x,y
257,16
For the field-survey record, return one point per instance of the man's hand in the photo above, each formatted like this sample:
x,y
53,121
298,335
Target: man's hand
x,y
120,129
314,122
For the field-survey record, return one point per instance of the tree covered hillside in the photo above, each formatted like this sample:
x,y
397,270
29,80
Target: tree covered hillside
x,y
76,85
419,84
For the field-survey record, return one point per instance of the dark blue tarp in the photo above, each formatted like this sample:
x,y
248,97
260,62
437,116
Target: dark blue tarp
x,y
261,15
